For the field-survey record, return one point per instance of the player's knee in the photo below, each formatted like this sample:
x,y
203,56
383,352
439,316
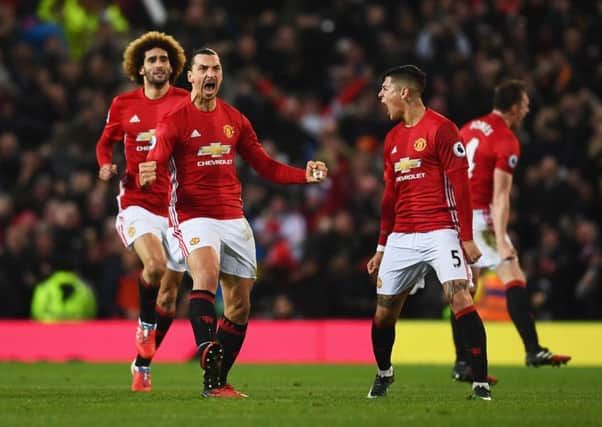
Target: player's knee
x,y
384,319
455,289
205,276
461,300
155,268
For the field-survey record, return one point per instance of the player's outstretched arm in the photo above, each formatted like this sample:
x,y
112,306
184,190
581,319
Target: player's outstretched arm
x,y
315,171
253,153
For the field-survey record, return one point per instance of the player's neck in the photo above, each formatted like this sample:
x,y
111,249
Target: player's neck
x,y
413,114
206,105
155,92
505,117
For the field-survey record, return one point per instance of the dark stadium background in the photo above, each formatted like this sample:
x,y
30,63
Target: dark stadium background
x,y
306,73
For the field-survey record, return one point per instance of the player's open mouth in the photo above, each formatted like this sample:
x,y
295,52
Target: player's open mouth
x,y
210,86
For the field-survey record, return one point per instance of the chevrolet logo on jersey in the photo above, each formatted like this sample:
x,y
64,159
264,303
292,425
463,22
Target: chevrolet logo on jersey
x,y
215,149
148,136
145,136
404,165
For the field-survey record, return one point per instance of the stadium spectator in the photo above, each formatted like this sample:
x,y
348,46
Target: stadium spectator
x,y
588,291
83,21
63,296
550,269
551,45
426,220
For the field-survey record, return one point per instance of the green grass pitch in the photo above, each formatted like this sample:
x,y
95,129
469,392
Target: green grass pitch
x,y
90,395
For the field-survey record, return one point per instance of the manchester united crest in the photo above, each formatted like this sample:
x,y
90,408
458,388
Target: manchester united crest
x,y
228,131
420,144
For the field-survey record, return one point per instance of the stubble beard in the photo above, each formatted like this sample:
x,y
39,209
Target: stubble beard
x,y
158,84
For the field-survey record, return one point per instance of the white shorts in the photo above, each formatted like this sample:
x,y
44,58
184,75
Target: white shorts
x,y
408,257
134,221
232,240
484,237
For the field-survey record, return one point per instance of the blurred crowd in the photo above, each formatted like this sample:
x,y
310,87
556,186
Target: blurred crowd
x,y
306,73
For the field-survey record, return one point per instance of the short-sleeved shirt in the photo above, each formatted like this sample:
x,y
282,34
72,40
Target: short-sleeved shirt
x,y
490,145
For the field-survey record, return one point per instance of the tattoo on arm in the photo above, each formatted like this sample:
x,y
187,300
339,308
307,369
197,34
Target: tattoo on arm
x,y
453,287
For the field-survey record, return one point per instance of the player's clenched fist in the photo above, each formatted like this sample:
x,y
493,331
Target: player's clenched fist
x,y
107,171
316,171
471,251
147,172
374,263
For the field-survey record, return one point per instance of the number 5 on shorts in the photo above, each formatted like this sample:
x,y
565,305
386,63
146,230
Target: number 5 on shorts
x,y
456,257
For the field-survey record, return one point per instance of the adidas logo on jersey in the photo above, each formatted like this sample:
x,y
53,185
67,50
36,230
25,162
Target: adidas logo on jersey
x,y
394,150
135,119
195,134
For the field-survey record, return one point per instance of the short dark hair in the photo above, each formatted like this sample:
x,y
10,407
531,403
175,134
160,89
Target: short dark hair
x,y
508,93
200,51
408,73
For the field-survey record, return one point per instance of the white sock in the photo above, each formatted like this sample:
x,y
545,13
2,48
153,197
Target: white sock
x,y
386,372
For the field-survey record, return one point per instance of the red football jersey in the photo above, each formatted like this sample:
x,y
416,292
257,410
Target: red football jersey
x,y
201,148
490,144
416,161
132,119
